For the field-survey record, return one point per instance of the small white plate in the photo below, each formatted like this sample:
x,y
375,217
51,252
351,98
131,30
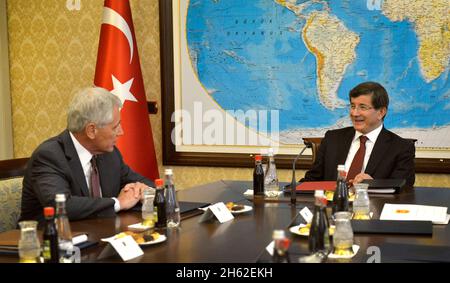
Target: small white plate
x,y
160,239
355,251
370,216
329,195
246,208
296,230
138,227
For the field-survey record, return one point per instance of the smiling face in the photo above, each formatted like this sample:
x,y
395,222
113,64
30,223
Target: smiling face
x,y
364,117
106,137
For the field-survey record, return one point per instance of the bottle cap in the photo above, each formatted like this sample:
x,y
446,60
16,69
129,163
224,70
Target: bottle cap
x,y
258,157
278,234
60,197
318,193
49,211
159,182
168,172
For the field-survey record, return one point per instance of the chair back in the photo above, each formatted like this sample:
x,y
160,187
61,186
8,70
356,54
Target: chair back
x,y
315,144
11,176
13,167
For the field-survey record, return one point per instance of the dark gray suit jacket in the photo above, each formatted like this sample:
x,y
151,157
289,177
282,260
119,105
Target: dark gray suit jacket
x,y
392,157
54,167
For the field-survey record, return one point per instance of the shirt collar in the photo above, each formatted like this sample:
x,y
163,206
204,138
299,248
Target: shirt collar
x,y
84,155
371,136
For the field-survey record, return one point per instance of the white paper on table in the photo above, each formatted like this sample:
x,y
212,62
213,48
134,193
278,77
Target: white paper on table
x,y
219,210
306,214
443,223
126,247
270,247
79,239
413,212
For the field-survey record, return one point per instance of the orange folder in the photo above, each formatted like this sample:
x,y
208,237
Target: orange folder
x,y
316,185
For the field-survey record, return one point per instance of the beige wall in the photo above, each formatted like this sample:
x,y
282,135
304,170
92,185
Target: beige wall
x,y
53,52
6,139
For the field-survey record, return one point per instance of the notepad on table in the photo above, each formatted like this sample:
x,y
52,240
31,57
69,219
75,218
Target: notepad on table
x,y
385,186
413,212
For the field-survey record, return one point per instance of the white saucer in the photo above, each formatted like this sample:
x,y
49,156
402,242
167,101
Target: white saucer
x,y
138,227
330,195
296,230
160,239
246,208
355,251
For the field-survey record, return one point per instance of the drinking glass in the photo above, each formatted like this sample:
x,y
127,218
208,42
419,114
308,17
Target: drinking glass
x,y
361,208
343,235
29,246
147,207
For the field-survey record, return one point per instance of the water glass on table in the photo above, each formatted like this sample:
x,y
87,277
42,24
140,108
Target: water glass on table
x,y
343,235
361,207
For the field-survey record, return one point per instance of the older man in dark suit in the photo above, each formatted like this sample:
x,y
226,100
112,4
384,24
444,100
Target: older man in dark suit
x,y
367,149
83,163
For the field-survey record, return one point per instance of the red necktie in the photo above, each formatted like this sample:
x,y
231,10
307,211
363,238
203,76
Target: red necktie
x,y
95,179
358,160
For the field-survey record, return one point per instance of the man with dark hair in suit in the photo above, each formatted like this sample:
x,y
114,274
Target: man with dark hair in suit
x,y
381,153
83,163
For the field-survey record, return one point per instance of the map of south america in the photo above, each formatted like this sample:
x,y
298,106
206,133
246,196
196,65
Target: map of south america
x,y
302,57
333,45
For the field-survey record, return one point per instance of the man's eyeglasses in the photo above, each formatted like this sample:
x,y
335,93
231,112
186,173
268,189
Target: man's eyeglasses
x,y
362,107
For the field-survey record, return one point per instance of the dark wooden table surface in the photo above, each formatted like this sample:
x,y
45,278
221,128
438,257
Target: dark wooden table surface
x,y
243,239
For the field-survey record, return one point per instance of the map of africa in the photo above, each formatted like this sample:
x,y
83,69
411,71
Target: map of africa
x,y
303,57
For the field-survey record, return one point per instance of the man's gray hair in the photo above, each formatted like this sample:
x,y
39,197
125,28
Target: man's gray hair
x,y
91,105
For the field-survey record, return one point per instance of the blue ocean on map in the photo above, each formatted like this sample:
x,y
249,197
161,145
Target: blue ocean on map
x,y
249,54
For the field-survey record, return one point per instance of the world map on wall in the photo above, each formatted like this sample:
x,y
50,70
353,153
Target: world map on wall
x,y
303,57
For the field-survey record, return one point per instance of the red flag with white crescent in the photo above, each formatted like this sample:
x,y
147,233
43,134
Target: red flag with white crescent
x,y
118,70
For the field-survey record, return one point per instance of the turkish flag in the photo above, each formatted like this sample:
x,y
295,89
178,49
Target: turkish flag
x,y
118,70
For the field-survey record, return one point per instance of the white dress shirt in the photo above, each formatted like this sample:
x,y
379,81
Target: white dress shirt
x,y
85,158
371,139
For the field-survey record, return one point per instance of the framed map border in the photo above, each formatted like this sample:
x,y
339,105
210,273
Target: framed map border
x,y
215,159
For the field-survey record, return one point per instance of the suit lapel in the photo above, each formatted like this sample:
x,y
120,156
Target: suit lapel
x,y
344,145
74,163
378,151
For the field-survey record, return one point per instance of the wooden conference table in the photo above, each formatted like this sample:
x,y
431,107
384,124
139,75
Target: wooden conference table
x,y
243,239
